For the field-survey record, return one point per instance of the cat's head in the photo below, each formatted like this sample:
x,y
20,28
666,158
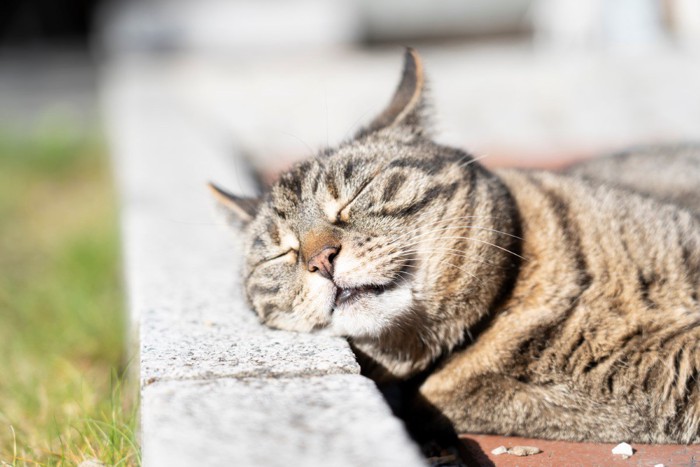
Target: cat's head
x,y
360,237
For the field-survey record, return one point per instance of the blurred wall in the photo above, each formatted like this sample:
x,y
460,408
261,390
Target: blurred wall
x,y
46,22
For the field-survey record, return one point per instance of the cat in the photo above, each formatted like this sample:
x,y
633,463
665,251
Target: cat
x,y
523,302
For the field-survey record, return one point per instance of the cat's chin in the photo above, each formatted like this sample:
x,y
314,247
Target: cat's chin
x,y
369,311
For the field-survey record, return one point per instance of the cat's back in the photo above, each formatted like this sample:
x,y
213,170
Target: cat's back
x,y
670,173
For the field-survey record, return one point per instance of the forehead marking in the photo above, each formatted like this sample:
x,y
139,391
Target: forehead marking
x,y
331,185
281,214
392,186
349,168
273,232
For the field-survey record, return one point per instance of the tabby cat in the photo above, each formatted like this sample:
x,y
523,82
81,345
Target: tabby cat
x,y
554,305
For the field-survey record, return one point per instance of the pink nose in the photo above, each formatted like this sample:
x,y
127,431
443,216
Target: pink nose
x,y
322,261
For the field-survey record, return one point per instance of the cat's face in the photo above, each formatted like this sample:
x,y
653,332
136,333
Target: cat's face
x,y
335,243
355,240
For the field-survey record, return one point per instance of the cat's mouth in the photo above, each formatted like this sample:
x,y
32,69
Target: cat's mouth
x,y
349,295
352,294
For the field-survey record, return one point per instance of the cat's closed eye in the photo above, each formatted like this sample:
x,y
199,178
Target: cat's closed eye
x,y
289,253
343,214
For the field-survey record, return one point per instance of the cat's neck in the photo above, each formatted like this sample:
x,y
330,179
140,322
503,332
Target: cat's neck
x,y
436,328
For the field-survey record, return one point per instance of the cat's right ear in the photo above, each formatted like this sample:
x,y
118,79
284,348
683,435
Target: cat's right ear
x,y
240,210
407,109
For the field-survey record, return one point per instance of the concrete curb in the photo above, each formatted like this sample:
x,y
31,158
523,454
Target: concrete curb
x,y
217,387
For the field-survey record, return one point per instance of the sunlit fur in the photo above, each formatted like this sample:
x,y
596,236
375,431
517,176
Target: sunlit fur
x,y
556,305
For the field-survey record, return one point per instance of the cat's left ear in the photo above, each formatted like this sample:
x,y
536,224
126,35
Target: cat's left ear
x,y
240,210
407,110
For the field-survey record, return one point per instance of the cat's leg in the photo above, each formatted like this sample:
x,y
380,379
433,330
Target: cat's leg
x,y
500,404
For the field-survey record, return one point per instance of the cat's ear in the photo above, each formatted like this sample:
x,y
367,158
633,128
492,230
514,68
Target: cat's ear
x,y
407,109
240,210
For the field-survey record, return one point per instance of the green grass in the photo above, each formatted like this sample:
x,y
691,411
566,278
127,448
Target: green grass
x,y
63,396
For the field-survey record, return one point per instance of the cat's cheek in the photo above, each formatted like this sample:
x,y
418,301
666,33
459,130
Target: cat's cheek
x,y
354,270
346,268
371,316
321,296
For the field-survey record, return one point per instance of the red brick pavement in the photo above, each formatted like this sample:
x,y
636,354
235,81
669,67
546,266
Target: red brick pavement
x,y
559,453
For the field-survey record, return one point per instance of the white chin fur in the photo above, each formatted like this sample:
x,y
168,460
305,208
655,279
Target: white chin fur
x,y
372,314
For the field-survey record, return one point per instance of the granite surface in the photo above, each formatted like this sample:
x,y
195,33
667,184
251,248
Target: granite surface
x,y
337,420
218,388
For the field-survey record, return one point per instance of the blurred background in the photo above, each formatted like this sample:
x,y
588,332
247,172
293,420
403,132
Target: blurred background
x,y
525,82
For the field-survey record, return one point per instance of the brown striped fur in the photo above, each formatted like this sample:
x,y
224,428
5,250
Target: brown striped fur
x,y
555,305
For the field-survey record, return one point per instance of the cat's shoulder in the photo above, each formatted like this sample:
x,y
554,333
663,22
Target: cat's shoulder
x,y
588,199
666,175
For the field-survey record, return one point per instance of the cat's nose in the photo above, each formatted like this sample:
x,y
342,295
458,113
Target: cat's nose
x,y
322,261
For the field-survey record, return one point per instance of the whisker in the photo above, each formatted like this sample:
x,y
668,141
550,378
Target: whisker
x,y
476,227
473,160
458,253
447,219
486,243
464,271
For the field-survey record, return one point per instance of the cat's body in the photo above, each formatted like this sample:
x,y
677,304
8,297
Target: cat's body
x,y
600,337
562,305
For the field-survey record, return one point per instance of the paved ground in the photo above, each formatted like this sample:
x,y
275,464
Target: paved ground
x,y
556,453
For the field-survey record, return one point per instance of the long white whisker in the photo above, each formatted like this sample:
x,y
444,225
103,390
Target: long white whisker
x,y
436,224
476,227
450,252
485,243
473,160
463,270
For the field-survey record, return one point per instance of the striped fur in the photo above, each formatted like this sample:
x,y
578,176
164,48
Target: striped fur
x,y
556,305
599,339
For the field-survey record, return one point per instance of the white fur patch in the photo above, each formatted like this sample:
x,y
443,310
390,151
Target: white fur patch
x,y
351,271
346,267
371,314
289,240
321,297
318,284
310,309
331,209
